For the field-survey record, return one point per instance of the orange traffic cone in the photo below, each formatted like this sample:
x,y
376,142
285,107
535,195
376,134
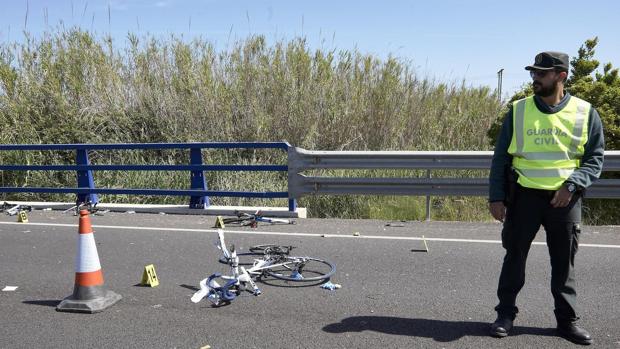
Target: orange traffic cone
x,y
89,294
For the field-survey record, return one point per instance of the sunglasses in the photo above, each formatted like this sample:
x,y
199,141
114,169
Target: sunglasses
x,y
539,73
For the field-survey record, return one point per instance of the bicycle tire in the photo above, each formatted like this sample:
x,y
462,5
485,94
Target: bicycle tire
x,y
233,220
314,269
266,247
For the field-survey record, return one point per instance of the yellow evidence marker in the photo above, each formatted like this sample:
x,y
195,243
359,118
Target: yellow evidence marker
x,y
149,277
22,217
219,222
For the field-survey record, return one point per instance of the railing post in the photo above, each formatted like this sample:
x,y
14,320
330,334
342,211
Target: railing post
x,y
292,205
428,200
197,180
292,202
85,178
292,162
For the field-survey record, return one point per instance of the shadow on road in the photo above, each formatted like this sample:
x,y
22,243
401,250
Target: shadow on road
x,y
190,287
47,303
441,331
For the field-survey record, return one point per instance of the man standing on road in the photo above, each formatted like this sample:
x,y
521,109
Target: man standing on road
x,y
550,149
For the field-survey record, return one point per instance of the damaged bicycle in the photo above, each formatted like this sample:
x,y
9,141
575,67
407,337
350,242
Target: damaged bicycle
x,y
266,261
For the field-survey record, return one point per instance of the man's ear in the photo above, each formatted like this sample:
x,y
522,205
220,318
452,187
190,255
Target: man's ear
x,y
563,75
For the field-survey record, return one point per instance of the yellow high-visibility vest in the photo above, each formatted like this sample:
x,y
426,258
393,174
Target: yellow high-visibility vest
x,y
547,148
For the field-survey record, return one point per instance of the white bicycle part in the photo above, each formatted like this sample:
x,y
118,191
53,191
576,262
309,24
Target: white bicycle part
x,y
203,292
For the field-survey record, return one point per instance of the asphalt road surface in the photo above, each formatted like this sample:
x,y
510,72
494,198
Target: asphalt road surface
x,y
393,295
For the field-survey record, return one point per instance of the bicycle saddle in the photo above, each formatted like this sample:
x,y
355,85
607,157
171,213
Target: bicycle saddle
x,y
223,292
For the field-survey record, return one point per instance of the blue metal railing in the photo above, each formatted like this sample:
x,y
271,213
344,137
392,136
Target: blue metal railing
x,y
199,194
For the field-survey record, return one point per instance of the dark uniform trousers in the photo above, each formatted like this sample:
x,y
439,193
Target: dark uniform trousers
x,y
530,210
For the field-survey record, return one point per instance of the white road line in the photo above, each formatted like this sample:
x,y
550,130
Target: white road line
x,y
376,237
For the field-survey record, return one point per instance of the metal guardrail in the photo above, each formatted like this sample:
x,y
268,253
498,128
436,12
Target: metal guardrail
x,y
301,160
299,184
198,192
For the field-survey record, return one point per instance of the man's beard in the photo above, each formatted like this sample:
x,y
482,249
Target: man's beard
x,y
544,91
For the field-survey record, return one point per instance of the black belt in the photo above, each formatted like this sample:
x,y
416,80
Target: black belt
x,y
540,192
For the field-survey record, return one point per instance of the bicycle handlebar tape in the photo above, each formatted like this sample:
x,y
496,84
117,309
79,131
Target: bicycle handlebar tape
x,y
89,293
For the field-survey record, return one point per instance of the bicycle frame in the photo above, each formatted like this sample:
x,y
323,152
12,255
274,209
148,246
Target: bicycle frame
x,y
240,276
257,269
12,210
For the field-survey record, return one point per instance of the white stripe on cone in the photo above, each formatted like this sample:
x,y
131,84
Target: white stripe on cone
x,y
87,259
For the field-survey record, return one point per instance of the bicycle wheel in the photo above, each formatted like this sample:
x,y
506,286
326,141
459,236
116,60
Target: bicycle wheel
x,y
301,269
233,220
271,249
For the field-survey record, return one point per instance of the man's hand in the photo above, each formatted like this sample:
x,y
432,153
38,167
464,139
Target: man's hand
x,y
498,210
561,198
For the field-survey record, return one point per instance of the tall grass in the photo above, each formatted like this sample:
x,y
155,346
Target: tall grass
x,y
72,86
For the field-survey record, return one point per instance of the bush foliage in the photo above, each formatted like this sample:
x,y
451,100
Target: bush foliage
x,y
70,86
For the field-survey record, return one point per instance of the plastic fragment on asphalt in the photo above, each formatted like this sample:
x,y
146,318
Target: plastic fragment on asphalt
x,y
9,288
297,276
330,286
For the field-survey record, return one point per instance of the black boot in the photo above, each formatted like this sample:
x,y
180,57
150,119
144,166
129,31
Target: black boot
x,y
574,333
501,326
